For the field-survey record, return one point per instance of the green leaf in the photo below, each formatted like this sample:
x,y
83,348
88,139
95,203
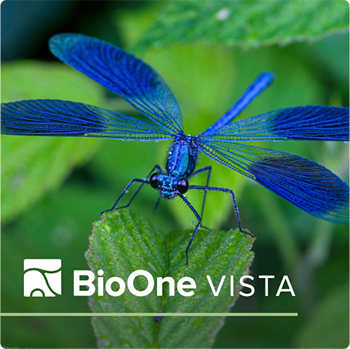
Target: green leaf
x,y
246,23
122,242
31,166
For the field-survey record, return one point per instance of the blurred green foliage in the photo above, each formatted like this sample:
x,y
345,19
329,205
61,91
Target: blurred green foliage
x,y
123,241
329,323
52,189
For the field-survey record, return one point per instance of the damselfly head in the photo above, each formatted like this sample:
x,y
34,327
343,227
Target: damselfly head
x,y
169,186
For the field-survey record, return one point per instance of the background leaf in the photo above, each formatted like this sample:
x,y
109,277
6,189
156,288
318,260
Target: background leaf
x,y
123,242
31,166
245,23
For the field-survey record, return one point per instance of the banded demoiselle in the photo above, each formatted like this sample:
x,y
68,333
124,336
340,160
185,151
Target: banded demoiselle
x,y
302,182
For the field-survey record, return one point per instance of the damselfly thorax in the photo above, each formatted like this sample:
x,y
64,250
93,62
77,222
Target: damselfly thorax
x,y
181,162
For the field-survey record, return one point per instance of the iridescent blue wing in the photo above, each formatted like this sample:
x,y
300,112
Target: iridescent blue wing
x,y
296,123
302,182
122,73
48,117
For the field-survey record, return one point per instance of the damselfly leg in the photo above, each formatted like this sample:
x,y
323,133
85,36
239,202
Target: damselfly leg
x,y
206,168
196,227
138,180
224,190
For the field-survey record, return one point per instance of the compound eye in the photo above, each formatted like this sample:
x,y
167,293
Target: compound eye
x,y
182,186
154,180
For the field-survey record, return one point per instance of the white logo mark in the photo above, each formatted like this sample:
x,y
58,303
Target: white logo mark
x,y
42,277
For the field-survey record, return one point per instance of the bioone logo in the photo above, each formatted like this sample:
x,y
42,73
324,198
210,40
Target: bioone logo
x,y
42,277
